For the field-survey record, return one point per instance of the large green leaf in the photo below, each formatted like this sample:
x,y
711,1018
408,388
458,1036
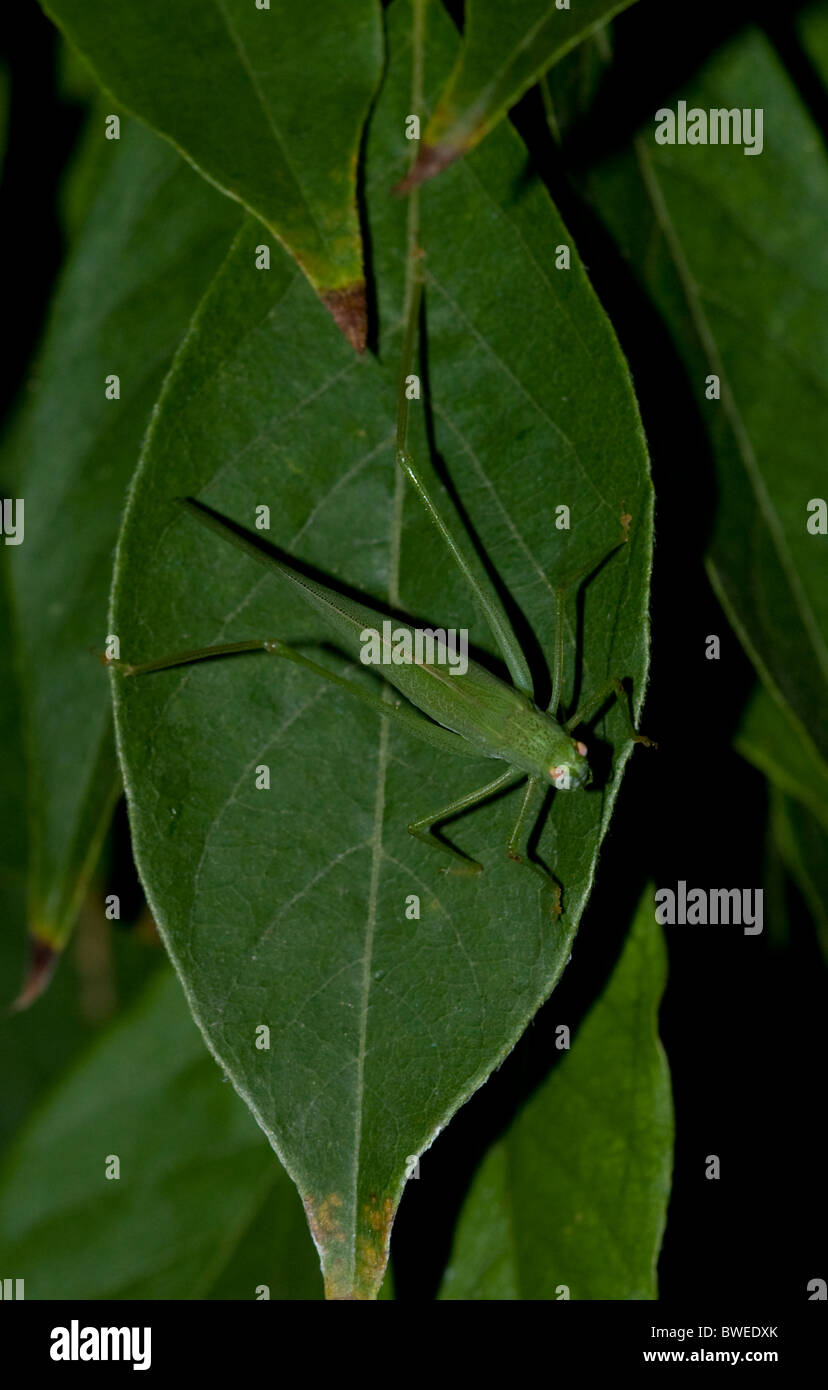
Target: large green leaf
x,y
34,1046
153,238
732,249
771,740
268,104
200,1209
287,906
572,1201
13,848
506,47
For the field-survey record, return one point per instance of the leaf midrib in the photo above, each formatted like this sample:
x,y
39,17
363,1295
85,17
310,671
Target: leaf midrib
x,y
395,543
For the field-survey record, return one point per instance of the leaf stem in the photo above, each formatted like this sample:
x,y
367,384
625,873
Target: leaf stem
x,y
414,252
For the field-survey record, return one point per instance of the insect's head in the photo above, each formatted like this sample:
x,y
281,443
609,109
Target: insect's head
x,y
573,772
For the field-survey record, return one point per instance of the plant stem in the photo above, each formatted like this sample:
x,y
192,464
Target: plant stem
x,y
414,253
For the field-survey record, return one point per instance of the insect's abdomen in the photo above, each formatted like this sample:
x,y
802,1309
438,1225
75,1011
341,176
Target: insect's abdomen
x,y
497,718
475,704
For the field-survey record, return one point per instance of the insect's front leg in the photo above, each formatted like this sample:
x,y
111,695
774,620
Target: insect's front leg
x,y
589,708
421,829
551,886
563,586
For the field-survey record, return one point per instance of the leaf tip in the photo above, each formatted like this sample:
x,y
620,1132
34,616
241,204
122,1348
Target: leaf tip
x,y
349,311
40,967
431,160
349,1279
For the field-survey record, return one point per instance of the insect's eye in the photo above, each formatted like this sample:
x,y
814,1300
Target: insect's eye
x,y
581,748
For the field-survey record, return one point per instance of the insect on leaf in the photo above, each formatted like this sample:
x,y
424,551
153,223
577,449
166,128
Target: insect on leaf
x,y
269,810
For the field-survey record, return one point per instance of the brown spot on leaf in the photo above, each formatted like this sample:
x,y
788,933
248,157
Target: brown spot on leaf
x,y
40,967
379,1217
349,1279
431,160
324,1220
349,310
372,1245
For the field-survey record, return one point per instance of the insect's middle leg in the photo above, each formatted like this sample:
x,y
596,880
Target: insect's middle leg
x,y
421,829
551,885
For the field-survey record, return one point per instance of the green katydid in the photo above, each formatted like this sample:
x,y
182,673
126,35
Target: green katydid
x,y
471,714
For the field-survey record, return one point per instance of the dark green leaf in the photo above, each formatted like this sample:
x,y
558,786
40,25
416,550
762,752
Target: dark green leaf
x,y
570,87
287,906
91,156
732,248
812,25
154,236
200,1208
572,1201
802,841
506,48
13,847
770,739
34,1046
12,766
268,104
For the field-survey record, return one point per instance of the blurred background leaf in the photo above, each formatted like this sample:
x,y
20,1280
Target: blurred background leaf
x,y
201,1207
572,1201
803,844
91,156
770,739
109,963
571,85
153,237
752,271
812,27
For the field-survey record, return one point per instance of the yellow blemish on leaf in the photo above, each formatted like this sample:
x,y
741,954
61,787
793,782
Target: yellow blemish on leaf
x,y
324,1221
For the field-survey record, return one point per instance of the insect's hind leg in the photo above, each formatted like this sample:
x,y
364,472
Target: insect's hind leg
x,y
551,886
421,829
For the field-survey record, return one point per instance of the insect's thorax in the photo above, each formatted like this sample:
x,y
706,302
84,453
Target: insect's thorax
x,y
503,722
536,743
516,730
